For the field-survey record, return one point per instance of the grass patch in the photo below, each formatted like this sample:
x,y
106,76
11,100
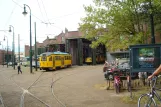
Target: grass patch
x,y
135,96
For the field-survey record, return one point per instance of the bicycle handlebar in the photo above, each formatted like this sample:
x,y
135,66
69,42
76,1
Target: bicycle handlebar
x,y
154,80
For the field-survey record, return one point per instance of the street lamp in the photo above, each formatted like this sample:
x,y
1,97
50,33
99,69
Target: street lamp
x,y
18,48
35,50
3,52
24,13
13,52
7,48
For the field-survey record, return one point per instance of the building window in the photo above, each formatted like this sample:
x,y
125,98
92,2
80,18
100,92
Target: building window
x,y
62,38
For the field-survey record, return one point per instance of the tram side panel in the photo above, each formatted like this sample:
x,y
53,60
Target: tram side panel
x,y
49,63
68,60
58,61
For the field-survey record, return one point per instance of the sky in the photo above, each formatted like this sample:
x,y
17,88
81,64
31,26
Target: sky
x,y
51,17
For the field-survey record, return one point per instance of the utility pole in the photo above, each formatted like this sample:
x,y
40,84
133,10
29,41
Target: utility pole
x,y
24,13
7,49
13,51
7,53
2,53
19,48
3,56
12,54
35,50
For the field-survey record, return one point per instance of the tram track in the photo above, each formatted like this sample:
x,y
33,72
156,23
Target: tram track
x,y
44,79
58,79
53,78
24,90
1,98
27,91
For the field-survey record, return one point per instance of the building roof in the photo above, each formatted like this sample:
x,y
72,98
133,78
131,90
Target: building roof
x,y
73,34
60,39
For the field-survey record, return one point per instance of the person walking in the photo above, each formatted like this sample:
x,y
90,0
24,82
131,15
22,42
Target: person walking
x,y
19,68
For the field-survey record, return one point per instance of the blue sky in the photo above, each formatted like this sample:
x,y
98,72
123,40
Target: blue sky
x,y
59,13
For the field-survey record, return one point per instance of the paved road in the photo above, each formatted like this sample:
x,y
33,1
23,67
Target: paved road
x,y
78,86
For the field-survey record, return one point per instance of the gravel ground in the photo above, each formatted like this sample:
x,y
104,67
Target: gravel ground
x,y
78,86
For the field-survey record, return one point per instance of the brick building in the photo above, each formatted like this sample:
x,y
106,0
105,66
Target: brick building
x,y
27,50
3,56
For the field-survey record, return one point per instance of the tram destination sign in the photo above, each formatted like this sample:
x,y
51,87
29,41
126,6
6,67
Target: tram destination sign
x,y
145,58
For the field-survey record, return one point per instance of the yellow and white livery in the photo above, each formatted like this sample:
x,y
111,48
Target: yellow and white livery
x,y
54,60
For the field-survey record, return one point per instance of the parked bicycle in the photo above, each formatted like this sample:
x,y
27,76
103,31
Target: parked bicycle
x,y
117,81
147,100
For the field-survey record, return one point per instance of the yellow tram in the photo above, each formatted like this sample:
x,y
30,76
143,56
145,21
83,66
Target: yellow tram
x,y
53,60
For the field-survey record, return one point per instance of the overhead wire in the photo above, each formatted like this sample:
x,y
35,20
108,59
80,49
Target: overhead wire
x,y
40,9
45,12
65,15
34,15
10,15
46,16
31,13
9,18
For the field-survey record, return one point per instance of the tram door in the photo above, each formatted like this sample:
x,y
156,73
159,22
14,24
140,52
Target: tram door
x,y
53,61
62,61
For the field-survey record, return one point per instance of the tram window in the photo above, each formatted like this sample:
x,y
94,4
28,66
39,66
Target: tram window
x,y
50,58
56,57
43,58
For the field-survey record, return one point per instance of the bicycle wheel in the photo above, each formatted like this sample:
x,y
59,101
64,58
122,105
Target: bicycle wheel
x,y
146,101
117,88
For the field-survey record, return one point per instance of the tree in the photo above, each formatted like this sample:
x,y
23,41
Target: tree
x,y
119,23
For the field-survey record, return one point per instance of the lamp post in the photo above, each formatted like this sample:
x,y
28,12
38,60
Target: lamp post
x,y
35,50
3,52
7,48
13,51
19,48
24,13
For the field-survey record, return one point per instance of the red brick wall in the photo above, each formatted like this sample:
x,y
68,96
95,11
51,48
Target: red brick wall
x,y
27,50
2,53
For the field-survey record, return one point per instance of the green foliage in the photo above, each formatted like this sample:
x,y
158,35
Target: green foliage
x,y
119,23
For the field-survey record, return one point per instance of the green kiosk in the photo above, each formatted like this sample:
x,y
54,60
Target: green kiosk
x,y
144,58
